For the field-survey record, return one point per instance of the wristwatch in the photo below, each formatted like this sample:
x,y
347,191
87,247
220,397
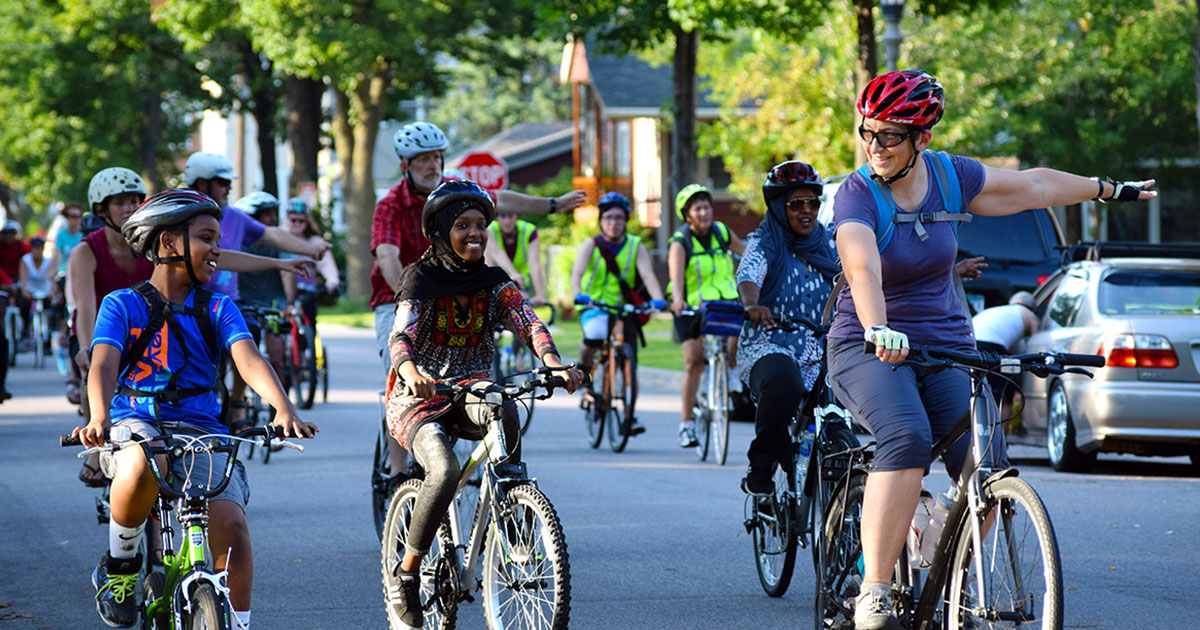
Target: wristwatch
x,y
553,205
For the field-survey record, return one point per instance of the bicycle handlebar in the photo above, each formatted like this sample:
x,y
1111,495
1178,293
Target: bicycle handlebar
x,y
622,309
544,378
276,433
1037,363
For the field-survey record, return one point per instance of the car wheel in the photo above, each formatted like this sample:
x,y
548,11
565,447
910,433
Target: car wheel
x,y
1065,456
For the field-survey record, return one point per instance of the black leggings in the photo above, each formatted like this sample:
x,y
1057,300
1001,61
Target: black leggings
x,y
778,389
432,448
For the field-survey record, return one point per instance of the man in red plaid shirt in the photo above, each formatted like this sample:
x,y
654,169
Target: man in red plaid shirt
x,y
396,238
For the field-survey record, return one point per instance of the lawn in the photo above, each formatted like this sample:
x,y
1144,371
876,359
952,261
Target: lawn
x,y
660,351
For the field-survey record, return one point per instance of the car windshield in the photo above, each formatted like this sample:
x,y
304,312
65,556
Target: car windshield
x,y
1150,292
1015,238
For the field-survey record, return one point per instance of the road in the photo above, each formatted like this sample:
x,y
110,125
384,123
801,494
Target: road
x,y
655,537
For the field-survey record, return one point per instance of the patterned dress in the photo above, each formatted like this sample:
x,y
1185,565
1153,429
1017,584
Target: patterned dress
x,y
453,344
804,292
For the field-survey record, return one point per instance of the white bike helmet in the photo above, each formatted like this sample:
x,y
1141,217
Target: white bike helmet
x,y
207,166
255,202
419,137
114,181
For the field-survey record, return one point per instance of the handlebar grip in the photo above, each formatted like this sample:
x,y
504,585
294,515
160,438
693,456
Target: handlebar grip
x,y
1087,360
868,347
67,440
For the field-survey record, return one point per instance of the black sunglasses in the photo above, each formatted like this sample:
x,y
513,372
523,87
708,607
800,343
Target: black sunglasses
x,y
801,203
887,139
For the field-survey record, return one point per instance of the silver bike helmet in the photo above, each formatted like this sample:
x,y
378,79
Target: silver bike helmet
x,y
207,166
419,137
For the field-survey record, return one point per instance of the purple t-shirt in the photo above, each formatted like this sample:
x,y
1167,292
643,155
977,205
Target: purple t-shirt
x,y
238,230
918,283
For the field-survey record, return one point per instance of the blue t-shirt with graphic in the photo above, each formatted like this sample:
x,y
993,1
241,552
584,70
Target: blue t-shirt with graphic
x,y
122,316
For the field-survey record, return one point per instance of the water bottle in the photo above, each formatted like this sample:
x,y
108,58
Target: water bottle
x,y
920,523
804,451
937,522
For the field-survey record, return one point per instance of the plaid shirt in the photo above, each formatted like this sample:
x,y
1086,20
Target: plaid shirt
x,y
397,221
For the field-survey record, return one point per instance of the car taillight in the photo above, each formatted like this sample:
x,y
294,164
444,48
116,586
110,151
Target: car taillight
x,y
1043,278
1144,351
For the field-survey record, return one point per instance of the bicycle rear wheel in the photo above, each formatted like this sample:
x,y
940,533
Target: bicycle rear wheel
x,y
526,570
720,414
617,418
838,553
323,369
1022,573
303,370
38,327
208,611
437,574
771,525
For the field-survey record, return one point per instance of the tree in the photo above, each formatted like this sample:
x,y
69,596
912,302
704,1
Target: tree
x,y
85,85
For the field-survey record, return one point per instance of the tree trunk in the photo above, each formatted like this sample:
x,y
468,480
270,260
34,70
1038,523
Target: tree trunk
x,y
343,141
868,60
369,98
1196,55
683,135
263,104
151,139
303,129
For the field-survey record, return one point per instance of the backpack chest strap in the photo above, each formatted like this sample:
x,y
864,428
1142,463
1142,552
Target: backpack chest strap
x,y
921,218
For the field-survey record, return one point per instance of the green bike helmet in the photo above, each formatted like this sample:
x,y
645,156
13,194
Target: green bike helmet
x,y
686,195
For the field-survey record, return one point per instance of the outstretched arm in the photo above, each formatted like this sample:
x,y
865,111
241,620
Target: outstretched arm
x,y
1009,192
518,203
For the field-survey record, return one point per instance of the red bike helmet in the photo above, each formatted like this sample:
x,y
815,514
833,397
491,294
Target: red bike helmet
x,y
787,176
906,97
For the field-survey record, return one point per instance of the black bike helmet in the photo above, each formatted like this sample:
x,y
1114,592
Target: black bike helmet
x,y
454,192
167,209
787,176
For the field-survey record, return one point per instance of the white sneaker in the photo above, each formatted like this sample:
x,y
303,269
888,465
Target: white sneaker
x,y
687,435
873,609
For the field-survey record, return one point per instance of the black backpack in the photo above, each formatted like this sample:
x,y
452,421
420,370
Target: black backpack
x,y
162,312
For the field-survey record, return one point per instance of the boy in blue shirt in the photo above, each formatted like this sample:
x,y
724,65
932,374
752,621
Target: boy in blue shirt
x,y
171,386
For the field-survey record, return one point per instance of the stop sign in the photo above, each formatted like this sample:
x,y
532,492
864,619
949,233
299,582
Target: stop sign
x,y
486,169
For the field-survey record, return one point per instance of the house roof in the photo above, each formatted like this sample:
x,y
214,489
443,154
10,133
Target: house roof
x,y
629,85
525,143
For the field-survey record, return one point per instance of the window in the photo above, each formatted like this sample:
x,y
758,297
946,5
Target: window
x,y
1065,303
623,149
586,128
1150,292
1020,237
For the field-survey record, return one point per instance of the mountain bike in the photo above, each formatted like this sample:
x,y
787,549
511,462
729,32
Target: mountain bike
x,y
784,521
719,321
514,531
179,587
258,412
609,408
304,357
512,363
996,562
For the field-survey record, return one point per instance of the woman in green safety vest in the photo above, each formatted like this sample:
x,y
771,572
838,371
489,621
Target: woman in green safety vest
x,y
632,261
701,271
513,246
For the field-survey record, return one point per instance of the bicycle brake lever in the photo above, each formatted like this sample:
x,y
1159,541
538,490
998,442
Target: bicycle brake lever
x,y
1079,370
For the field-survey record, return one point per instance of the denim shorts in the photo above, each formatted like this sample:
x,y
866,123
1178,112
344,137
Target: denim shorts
x,y
202,467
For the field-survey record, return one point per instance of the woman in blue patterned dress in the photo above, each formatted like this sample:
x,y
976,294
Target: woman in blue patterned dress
x,y
787,270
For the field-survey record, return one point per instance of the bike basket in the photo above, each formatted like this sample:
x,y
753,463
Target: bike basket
x,y
722,318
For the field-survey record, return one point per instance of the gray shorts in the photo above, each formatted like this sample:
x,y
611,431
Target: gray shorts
x,y
385,318
202,467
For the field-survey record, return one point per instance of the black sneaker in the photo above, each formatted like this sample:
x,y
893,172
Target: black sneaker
x,y
115,580
407,607
758,481
636,428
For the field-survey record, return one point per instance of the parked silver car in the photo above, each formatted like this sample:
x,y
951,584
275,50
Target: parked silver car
x,y
1143,315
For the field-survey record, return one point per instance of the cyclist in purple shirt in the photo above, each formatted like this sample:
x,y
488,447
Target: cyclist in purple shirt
x,y
906,292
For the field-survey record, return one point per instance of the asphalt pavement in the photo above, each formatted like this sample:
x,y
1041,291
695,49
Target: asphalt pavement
x,y
655,537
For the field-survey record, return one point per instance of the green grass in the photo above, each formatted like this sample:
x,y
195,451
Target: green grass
x,y
660,351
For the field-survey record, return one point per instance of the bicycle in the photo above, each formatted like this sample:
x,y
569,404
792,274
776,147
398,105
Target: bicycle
x,y
526,579
710,412
258,412
608,409
383,481
304,356
784,521
179,588
14,325
513,362
40,330
996,561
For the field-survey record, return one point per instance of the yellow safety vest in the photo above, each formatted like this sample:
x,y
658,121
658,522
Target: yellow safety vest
x,y
708,274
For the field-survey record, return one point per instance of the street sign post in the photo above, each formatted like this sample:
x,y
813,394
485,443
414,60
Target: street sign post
x,y
486,169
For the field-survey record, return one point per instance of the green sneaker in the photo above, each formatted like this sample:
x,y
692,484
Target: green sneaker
x,y
115,580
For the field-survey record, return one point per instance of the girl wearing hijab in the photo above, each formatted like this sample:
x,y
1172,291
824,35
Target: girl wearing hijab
x,y
448,305
787,270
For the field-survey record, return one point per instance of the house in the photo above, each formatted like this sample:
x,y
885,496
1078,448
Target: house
x,y
621,143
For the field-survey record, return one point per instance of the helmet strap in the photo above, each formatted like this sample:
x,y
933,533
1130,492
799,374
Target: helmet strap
x,y
186,258
904,171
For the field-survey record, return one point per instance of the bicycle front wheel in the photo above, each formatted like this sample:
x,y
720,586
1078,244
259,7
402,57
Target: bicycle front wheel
x,y
774,534
720,413
617,418
381,487
1018,567
438,579
208,612
526,571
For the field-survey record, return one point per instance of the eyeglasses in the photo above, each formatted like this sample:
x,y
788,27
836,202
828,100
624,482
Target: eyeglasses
x,y
886,139
297,220
74,216
798,204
